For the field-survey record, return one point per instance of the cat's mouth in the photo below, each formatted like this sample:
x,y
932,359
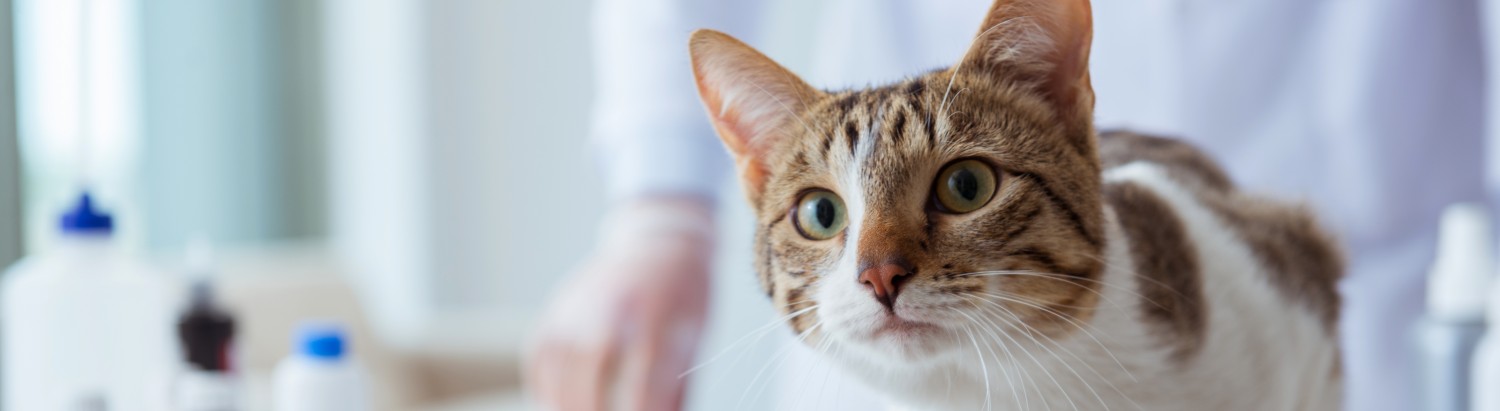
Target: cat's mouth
x,y
906,338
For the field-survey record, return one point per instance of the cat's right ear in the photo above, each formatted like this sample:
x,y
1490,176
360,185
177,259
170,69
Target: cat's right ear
x,y
750,99
1043,43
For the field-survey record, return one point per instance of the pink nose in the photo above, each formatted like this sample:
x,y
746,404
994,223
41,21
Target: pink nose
x,y
885,281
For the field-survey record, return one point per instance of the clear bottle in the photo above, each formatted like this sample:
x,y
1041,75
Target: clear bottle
x,y
320,375
1454,323
84,324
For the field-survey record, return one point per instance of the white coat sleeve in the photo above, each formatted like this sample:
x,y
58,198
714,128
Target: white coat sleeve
x,y
1489,23
649,132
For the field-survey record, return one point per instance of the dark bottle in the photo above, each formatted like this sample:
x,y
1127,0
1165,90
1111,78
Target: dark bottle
x,y
206,332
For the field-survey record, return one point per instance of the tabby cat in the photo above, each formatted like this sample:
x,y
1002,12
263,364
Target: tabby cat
x,y
966,240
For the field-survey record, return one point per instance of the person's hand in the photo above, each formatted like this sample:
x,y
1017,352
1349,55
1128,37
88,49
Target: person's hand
x,y
626,323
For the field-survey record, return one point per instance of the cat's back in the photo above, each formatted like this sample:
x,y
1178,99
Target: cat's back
x,y
1241,287
1303,258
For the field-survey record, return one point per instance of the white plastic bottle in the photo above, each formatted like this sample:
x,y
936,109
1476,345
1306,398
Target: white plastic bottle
x,y
1485,384
84,326
320,375
1456,290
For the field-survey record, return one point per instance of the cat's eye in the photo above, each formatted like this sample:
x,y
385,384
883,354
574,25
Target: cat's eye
x,y
820,215
964,186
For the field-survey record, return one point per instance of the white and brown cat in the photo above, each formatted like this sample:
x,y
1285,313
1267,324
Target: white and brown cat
x,y
968,241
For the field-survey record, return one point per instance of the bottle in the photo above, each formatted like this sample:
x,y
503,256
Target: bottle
x,y
320,375
1454,323
1486,366
206,331
83,324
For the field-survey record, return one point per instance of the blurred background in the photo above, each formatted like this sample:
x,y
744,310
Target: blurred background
x,y
416,168
420,170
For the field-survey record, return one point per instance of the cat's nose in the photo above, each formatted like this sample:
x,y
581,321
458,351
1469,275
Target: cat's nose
x,y
885,281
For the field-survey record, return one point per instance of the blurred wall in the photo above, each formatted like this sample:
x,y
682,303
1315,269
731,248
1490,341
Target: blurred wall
x,y
378,207
232,138
10,159
209,127
459,175
298,37
510,97
508,101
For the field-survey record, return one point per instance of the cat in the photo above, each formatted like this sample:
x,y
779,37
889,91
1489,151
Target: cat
x,y
965,239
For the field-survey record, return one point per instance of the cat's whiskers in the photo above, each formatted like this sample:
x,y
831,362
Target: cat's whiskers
x,y
1014,295
1084,328
984,368
1034,359
1017,395
1071,319
1038,305
802,301
777,359
1066,279
1136,275
761,331
822,348
948,373
1050,354
828,370
1032,330
1017,299
1091,368
1032,303
1053,355
1006,370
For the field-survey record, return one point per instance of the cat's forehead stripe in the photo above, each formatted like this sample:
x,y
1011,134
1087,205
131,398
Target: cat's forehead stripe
x,y
851,136
881,116
898,127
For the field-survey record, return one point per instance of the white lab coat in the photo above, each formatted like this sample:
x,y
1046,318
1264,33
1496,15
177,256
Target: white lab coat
x,y
1370,110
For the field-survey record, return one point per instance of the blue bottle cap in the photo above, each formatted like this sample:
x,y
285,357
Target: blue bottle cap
x,y
83,218
322,340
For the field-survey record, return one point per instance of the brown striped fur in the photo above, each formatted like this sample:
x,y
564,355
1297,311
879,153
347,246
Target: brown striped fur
x,y
1168,273
1303,259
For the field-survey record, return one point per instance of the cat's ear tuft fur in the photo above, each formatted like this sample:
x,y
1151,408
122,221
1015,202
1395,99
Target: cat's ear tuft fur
x,y
750,99
1042,43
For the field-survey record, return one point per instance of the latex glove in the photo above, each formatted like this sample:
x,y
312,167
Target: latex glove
x,y
626,323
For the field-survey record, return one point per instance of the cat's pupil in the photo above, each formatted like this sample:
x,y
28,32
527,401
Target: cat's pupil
x,y
965,184
824,212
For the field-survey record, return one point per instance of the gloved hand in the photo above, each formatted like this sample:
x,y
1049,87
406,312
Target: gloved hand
x,y
626,323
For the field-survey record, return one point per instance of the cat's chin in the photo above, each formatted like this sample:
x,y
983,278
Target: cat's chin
x,y
908,340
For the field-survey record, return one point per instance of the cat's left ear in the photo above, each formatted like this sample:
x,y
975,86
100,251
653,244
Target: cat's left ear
x,y
750,99
1042,43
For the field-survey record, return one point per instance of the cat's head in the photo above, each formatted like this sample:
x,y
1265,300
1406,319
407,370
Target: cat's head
x,y
903,221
